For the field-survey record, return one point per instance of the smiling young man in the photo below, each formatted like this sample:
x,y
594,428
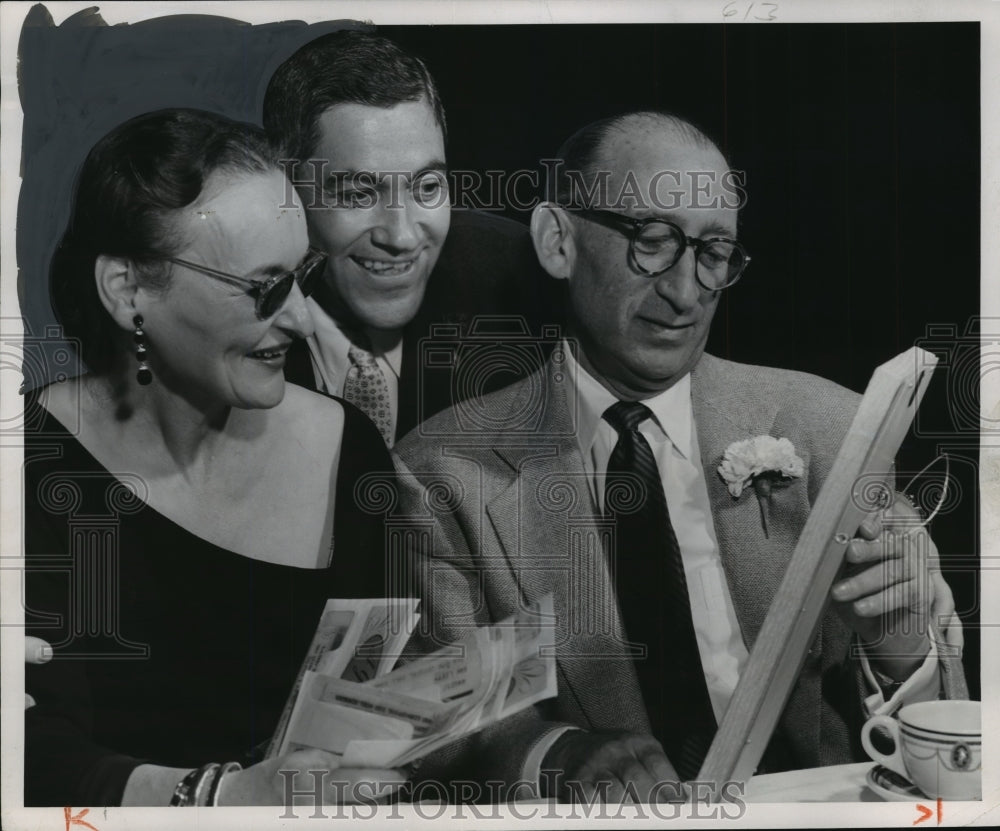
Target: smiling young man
x,y
613,501
362,128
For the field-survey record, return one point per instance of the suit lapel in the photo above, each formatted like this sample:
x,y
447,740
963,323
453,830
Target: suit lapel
x,y
546,522
728,408
407,416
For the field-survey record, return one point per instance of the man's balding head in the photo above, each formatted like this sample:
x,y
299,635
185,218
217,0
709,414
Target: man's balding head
x,y
592,148
641,316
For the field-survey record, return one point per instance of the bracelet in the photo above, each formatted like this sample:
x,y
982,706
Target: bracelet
x,y
208,773
189,790
213,791
182,793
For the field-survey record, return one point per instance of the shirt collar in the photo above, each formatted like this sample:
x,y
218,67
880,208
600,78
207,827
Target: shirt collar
x,y
671,408
392,356
332,343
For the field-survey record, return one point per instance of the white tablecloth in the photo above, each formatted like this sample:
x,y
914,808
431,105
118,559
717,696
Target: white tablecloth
x,y
837,783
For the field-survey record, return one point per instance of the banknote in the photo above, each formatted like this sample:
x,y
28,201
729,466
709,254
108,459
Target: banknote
x,y
351,703
534,671
501,669
372,640
357,640
331,712
445,675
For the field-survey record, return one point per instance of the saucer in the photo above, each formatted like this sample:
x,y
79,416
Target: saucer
x,y
891,786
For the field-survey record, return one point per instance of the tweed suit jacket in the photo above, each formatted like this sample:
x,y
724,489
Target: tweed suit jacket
x,y
502,485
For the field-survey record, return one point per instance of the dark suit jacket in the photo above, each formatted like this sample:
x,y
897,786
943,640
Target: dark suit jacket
x,y
486,291
521,522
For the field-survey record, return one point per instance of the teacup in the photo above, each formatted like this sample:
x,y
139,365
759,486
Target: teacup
x,y
938,747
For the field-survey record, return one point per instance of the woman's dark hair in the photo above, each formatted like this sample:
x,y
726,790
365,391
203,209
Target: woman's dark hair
x,y
131,183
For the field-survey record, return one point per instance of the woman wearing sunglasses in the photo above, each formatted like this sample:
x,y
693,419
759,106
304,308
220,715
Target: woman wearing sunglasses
x,y
187,513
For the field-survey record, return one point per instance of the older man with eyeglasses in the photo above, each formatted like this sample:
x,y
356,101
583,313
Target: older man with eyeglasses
x,y
597,480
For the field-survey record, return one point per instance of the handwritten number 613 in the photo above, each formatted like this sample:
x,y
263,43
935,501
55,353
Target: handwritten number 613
x,y
751,11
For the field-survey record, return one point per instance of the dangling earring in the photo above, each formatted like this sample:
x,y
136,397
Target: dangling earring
x,y
144,375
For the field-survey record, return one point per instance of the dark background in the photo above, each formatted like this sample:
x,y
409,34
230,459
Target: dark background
x,y
860,144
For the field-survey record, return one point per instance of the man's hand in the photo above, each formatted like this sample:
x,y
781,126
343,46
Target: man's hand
x,y
888,603
612,766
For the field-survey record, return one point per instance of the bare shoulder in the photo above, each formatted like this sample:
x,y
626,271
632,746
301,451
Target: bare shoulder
x,y
316,419
62,399
81,404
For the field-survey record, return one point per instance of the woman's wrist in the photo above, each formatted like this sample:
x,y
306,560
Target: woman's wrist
x,y
202,787
152,785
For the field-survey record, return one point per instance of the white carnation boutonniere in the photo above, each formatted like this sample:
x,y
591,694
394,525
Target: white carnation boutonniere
x,y
762,460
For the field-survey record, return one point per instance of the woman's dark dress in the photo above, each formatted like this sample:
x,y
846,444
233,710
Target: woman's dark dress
x,y
169,650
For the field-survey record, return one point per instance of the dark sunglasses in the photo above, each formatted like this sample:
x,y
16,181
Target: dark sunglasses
x,y
269,294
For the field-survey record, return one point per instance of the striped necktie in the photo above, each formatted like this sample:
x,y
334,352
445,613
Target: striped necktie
x,y
646,565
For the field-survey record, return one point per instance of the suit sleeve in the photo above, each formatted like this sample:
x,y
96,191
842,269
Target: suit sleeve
x,y
448,581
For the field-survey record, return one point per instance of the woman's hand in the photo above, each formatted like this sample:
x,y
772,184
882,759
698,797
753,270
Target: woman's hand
x,y
36,651
313,776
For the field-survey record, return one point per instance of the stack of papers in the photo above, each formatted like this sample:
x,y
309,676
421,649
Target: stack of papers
x,y
348,702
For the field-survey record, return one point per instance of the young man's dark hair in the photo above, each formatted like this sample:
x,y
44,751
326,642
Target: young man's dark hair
x,y
349,66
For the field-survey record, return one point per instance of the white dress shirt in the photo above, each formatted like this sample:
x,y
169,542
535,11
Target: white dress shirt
x,y
328,347
674,442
